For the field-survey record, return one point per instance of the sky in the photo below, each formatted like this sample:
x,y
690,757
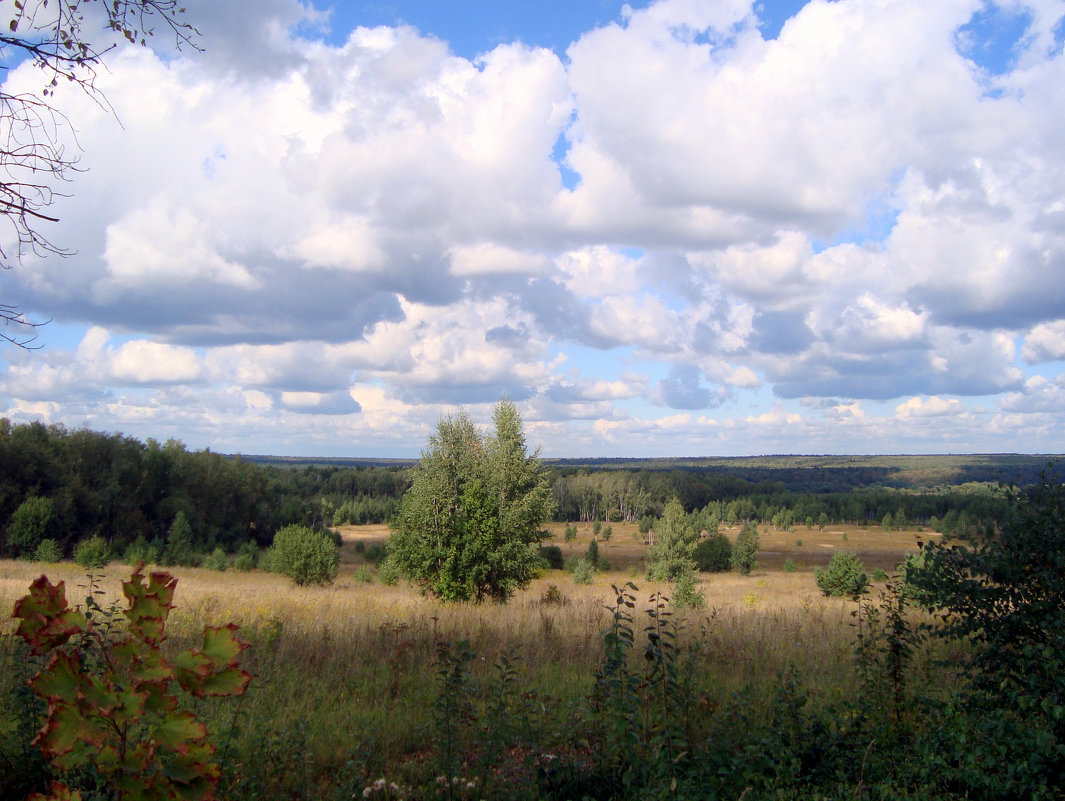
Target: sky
x,y
679,228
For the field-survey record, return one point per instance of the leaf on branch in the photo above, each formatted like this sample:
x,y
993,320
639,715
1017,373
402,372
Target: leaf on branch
x,y
46,620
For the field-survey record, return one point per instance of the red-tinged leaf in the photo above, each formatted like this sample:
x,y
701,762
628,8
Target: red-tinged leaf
x,y
190,669
195,766
158,700
60,680
68,726
221,644
149,604
178,730
139,663
231,681
57,792
45,619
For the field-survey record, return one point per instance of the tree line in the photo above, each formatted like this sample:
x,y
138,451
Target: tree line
x,y
76,484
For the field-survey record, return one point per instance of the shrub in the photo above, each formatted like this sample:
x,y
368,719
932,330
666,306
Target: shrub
x,y
686,594
304,555
32,521
582,571
180,549
845,576
47,551
713,554
552,555
376,553
247,556
388,573
364,574
140,550
745,550
93,552
570,534
592,555
216,560
608,532
789,566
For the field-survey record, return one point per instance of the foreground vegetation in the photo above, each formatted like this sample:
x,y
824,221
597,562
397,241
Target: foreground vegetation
x,y
773,690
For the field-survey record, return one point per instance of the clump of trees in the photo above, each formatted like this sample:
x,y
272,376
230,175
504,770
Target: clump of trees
x,y
469,527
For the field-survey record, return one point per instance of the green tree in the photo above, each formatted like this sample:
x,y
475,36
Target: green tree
x,y
180,549
469,527
93,552
713,554
304,555
670,556
844,576
745,550
32,522
1002,596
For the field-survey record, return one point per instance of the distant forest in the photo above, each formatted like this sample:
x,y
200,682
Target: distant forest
x,y
115,486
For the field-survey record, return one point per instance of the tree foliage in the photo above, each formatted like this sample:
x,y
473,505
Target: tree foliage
x,y
844,576
469,526
304,555
713,554
33,522
745,550
670,555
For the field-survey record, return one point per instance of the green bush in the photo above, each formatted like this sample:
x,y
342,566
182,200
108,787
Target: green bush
x,y
844,576
713,554
93,552
552,555
364,574
686,594
582,571
48,551
304,555
216,560
745,550
376,553
140,550
592,555
388,573
247,557
789,566
570,534
33,521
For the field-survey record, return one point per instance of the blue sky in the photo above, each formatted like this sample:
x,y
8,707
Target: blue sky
x,y
688,227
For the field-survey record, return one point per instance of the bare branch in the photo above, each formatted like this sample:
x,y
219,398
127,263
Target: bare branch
x,y
54,36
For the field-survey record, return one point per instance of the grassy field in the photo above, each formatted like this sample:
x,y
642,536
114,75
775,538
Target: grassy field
x,y
346,679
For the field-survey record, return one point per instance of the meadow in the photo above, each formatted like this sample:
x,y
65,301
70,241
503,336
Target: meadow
x,y
351,680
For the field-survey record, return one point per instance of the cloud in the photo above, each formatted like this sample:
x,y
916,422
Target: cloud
x,y
683,389
1045,343
934,406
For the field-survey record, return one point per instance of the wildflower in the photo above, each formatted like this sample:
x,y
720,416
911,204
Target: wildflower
x,y
379,784
470,785
366,792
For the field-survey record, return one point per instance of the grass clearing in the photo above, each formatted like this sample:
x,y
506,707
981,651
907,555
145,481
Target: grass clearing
x,y
348,670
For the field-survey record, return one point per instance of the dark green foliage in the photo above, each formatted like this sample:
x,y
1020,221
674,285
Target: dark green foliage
x,y
180,543
247,557
552,555
469,527
592,555
844,576
570,533
304,555
713,554
32,522
93,552
141,550
1004,595
745,550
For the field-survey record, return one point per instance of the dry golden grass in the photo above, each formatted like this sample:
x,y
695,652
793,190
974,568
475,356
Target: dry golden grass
x,y
357,658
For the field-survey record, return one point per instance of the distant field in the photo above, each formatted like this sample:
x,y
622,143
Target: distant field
x,y
626,550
